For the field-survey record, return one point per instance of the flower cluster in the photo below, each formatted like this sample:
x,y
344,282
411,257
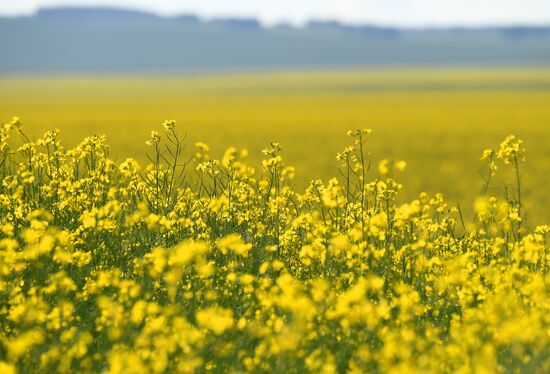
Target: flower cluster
x,y
198,265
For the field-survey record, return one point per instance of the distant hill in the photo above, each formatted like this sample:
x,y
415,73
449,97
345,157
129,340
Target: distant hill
x,y
107,40
92,14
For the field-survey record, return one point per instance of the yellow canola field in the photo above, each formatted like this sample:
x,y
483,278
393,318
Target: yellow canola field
x,y
436,120
120,267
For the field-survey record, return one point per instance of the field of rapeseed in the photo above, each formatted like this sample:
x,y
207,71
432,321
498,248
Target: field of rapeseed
x,y
435,119
189,263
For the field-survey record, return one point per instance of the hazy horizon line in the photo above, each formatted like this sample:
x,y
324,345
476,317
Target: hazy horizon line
x,y
281,22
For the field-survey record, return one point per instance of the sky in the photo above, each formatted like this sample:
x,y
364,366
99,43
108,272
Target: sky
x,y
384,12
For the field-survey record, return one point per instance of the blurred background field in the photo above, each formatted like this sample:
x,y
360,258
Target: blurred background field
x,y
438,120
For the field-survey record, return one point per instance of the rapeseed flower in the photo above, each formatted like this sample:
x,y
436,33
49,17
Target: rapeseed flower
x,y
204,265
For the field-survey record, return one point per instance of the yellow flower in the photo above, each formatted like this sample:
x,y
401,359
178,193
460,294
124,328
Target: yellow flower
x,y
400,165
6,368
169,125
234,244
215,319
383,167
